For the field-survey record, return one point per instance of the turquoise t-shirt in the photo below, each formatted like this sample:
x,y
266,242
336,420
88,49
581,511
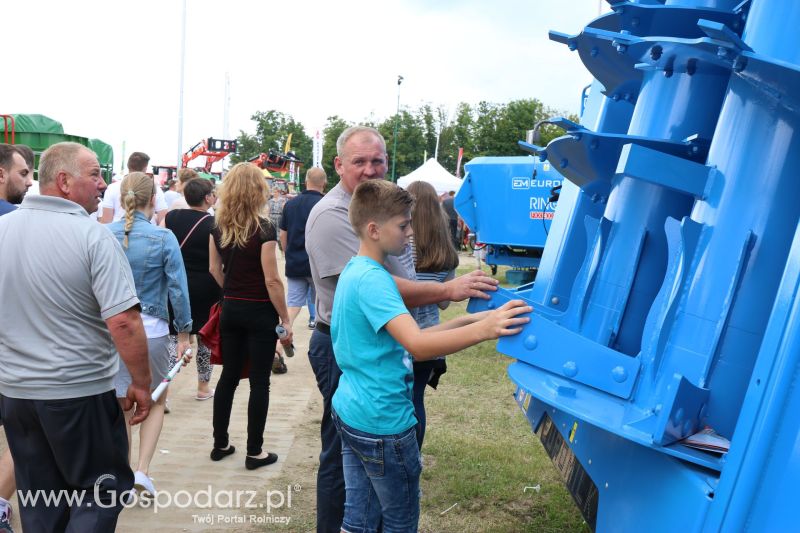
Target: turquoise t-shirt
x,y
374,393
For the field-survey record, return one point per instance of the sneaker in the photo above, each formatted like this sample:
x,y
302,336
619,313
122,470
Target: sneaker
x,y
312,324
279,365
5,521
143,484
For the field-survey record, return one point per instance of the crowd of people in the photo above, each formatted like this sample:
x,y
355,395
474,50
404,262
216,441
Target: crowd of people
x,y
97,313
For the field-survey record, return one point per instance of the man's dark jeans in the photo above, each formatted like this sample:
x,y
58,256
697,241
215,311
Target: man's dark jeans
x,y
330,477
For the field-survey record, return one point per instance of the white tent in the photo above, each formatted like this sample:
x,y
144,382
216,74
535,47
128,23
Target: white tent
x,y
435,174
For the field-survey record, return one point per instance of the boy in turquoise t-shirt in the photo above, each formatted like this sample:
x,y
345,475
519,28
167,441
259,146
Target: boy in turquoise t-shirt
x,y
372,334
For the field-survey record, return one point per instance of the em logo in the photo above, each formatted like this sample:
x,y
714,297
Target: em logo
x,y
520,183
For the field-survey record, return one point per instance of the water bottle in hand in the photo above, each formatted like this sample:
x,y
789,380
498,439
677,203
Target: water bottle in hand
x,y
282,334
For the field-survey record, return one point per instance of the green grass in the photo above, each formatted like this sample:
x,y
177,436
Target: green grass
x,y
480,453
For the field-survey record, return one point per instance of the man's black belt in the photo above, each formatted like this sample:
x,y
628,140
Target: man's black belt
x,y
324,328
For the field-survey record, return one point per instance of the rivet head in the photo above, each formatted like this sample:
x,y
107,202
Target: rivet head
x,y
570,369
572,45
619,374
563,163
491,305
594,51
554,300
530,342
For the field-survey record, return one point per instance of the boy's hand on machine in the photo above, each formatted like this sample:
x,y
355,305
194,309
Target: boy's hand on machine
x,y
505,320
472,285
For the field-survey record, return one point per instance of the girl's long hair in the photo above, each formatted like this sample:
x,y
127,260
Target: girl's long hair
x,y
136,192
241,198
435,249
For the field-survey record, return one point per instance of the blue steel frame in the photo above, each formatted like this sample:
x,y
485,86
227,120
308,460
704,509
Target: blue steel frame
x,y
667,296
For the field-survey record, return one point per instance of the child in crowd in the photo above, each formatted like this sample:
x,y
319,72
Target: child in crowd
x,y
372,334
435,259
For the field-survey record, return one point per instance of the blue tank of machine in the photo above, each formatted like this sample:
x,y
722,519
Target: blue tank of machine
x,y
667,296
509,203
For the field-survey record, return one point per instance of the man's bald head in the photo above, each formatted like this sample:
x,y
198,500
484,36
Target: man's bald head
x,y
316,179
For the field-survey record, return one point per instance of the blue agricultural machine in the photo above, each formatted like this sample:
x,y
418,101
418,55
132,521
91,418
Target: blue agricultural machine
x,y
668,295
509,203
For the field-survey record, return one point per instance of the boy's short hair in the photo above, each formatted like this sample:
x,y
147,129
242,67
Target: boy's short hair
x,y
377,201
137,162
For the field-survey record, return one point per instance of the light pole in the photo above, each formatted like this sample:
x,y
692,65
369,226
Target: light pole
x,y
396,119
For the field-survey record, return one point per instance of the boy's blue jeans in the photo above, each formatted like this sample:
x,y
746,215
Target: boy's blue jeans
x,y
381,478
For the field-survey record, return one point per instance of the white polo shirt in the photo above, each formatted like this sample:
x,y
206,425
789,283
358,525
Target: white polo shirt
x,y
111,200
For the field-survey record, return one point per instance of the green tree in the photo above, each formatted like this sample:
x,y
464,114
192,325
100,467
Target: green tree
x,y
430,128
272,130
410,142
457,134
334,127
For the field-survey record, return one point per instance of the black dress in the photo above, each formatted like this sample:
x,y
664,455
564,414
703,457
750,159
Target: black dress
x,y
203,290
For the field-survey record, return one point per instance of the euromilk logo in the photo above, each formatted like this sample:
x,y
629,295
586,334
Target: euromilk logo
x,y
520,183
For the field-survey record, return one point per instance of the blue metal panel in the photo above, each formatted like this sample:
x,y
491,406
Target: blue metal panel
x,y
518,188
667,297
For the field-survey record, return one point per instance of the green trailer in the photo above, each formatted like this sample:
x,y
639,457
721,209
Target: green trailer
x,y
39,132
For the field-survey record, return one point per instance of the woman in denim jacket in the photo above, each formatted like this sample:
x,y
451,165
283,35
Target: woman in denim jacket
x,y
157,266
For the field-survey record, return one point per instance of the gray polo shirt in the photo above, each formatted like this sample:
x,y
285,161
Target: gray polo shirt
x,y
62,274
331,243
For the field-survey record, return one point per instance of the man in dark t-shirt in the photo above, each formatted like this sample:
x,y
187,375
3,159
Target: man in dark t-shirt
x,y
293,241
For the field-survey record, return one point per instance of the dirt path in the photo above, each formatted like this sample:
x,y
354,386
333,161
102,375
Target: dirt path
x,y
196,494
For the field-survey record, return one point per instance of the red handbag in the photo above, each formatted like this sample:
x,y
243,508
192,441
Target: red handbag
x,y
209,334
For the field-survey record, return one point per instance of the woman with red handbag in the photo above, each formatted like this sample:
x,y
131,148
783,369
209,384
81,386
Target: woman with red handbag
x,y
242,259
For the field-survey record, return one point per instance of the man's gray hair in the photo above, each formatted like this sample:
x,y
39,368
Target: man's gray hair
x,y
61,156
355,130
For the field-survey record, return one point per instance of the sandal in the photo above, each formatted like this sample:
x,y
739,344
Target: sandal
x,y
204,396
279,365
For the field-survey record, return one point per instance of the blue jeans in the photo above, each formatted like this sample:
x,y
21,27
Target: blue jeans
x,y
330,479
381,477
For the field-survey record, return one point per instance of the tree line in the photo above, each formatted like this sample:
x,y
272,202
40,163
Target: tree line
x,y
485,129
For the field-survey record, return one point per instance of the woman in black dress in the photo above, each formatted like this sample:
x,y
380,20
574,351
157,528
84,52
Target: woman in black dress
x,y
192,228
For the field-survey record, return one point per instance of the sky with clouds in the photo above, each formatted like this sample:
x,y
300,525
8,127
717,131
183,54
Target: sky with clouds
x,y
111,68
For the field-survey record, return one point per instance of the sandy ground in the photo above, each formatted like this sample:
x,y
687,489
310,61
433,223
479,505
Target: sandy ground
x,y
196,494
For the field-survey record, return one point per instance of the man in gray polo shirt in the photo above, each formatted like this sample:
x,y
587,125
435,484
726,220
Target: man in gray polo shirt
x,y
69,304
330,243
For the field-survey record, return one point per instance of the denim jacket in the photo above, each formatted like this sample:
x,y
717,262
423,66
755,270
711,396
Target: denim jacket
x,y
157,266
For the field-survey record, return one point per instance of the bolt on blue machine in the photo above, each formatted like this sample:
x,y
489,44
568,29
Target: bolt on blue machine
x,y
668,297
509,203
